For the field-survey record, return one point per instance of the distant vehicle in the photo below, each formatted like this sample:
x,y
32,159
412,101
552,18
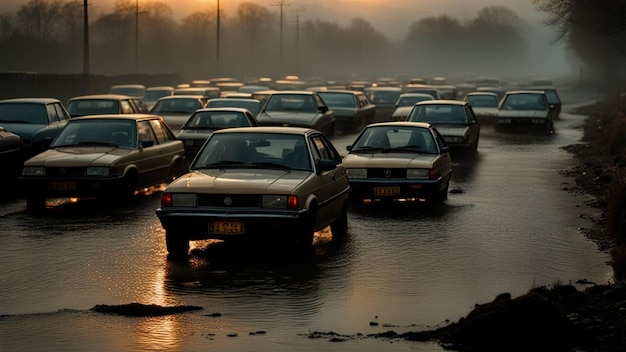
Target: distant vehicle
x,y
405,103
424,89
100,104
103,156
154,93
385,99
204,122
206,92
253,105
10,154
257,184
298,109
352,108
252,88
448,91
484,104
524,110
417,80
455,121
176,109
498,91
37,121
263,95
554,100
133,90
404,162
358,85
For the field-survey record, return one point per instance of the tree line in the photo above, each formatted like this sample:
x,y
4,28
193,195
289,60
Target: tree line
x,y
46,36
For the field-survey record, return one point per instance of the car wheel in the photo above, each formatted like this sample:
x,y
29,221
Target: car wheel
x,y
35,203
339,227
304,238
176,243
130,185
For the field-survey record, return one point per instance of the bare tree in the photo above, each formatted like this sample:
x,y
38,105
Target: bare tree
x,y
40,19
252,20
7,25
501,15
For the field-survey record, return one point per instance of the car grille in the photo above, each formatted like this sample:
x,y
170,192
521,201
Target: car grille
x,y
65,171
229,200
386,173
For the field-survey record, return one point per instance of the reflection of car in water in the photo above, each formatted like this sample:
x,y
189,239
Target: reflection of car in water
x,y
385,100
257,183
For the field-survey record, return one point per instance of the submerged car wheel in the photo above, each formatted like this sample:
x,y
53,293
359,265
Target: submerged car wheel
x,y
306,233
35,203
176,243
339,227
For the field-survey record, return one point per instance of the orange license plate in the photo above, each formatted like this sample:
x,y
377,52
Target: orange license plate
x,y
386,191
62,186
227,227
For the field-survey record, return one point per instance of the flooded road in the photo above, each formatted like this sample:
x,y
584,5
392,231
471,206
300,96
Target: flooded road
x,y
508,226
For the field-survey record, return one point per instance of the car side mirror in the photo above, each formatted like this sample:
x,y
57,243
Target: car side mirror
x,y
349,148
326,165
146,143
445,149
323,109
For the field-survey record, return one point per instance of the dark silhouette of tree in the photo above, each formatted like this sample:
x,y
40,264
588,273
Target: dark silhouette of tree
x,y
252,21
7,25
40,19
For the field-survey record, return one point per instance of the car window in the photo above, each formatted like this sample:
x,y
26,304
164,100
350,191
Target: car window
x,y
52,114
339,100
159,131
433,113
23,113
61,112
126,107
325,149
145,131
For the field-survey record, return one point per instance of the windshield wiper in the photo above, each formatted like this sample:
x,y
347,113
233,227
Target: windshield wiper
x,y
368,149
220,164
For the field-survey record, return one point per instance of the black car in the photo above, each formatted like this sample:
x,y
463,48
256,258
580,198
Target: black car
x,y
352,109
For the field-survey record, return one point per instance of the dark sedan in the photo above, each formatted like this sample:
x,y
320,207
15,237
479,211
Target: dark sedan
x,y
10,154
352,109
298,109
454,119
523,111
36,120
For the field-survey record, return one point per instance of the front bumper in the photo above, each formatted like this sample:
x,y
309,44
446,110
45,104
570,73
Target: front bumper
x,y
194,223
75,187
376,189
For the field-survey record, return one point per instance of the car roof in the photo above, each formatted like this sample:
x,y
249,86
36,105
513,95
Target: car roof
x,y
442,102
492,94
235,100
527,91
182,96
303,92
271,129
135,117
398,89
103,96
225,109
128,86
160,88
401,123
31,100
342,91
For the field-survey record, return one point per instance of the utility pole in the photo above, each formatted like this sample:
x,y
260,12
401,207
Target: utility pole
x,y
217,42
136,36
298,40
85,37
281,4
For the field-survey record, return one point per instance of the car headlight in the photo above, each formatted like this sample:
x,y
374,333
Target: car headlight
x,y
280,202
98,171
184,200
418,173
356,173
33,171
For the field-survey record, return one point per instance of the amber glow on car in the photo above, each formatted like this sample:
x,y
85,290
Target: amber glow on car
x,y
292,202
166,199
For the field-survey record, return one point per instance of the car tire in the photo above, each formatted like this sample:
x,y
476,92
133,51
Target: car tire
x,y
176,243
35,203
130,185
306,233
339,227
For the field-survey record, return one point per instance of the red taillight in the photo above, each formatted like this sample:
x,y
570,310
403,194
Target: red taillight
x,y
432,174
166,200
292,202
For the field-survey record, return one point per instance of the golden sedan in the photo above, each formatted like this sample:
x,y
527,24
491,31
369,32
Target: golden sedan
x,y
257,183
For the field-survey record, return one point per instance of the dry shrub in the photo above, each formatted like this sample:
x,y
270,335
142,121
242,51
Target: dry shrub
x,y
616,207
615,134
618,261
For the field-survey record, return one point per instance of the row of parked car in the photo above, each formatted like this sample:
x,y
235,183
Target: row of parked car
x,y
267,180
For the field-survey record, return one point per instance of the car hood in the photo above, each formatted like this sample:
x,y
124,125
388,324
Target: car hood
x,y
388,160
402,111
240,181
296,118
78,156
524,113
24,130
452,130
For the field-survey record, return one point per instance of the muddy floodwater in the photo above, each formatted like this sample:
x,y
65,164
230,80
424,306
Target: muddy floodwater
x,y
509,225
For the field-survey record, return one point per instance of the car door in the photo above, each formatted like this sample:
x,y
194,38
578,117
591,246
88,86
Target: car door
x,y
57,119
474,124
333,184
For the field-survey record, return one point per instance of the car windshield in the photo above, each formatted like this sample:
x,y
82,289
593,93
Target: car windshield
x,y
153,95
395,138
291,102
186,106
132,91
23,113
253,105
216,120
438,114
81,107
524,102
552,96
122,133
383,96
412,100
254,150
338,100
482,101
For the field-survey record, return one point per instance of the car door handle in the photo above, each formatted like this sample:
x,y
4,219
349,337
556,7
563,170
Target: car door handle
x,y
332,177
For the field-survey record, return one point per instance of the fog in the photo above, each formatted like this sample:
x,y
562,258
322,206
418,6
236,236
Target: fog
x,y
339,39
